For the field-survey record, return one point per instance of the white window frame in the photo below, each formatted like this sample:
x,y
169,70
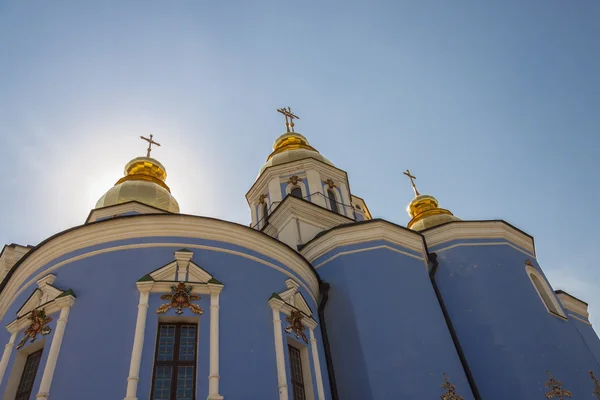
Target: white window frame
x,y
336,197
309,391
547,290
12,384
301,185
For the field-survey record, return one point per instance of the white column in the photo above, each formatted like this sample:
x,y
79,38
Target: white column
x,y
138,342
65,304
281,376
315,187
346,200
6,355
316,365
275,195
213,377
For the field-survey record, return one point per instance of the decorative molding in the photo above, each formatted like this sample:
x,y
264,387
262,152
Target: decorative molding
x,y
372,230
329,182
39,325
261,198
155,225
181,298
461,230
556,390
390,248
531,271
573,304
450,390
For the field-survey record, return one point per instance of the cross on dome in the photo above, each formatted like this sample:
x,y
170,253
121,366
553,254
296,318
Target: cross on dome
x,y
289,124
412,182
150,143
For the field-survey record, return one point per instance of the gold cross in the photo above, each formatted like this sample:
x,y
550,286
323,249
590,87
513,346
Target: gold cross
x,y
289,124
412,182
150,143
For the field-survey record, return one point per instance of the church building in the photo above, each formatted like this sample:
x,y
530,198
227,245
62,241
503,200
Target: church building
x,y
314,299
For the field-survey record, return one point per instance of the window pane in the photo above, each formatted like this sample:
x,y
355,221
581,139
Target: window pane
x,y
166,343
185,383
296,373
332,203
296,192
162,383
28,376
187,344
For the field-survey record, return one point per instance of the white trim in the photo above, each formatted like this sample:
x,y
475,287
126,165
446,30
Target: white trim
x,y
6,355
315,185
578,318
153,225
461,230
138,341
361,233
336,198
65,304
281,375
305,355
573,304
519,249
317,365
532,272
344,253
213,377
300,184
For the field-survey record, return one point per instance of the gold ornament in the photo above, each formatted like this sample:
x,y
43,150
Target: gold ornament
x,y
450,390
596,385
39,324
181,298
294,180
556,390
296,325
330,183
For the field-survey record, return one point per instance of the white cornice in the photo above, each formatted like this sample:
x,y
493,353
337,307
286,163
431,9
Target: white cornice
x,y
461,230
305,211
573,304
156,225
119,209
262,182
361,233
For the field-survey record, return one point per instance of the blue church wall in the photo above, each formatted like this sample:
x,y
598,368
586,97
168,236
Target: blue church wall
x,y
589,336
388,336
102,322
507,335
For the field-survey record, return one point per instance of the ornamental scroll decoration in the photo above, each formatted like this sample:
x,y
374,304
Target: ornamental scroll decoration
x,y
181,298
556,390
39,325
294,180
261,198
596,385
330,183
450,390
296,325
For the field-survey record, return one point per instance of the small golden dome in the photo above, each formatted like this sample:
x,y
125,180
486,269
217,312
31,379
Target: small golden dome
x,y
292,146
144,181
425,213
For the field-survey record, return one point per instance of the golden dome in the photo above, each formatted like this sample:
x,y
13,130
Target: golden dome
x,y
144,181
425,213
292,146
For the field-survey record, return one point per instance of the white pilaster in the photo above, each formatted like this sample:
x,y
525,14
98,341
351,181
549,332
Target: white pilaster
x,y
138,341
213,377
281,375
253,214
348,210
275,195
64,304
317,365
6,355
315,187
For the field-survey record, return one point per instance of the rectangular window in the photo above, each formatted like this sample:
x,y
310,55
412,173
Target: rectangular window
x,y
175,362
28,376
296,373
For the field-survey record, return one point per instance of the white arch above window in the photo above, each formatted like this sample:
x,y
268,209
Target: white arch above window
x,y
544,291
300,185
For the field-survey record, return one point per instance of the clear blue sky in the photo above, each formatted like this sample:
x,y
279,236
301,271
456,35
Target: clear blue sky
x,y
494,106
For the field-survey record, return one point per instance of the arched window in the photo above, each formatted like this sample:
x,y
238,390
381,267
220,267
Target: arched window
x,y
332,202
265,212
296,192
544,291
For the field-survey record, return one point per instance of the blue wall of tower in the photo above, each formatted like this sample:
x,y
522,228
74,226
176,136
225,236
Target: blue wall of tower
x,y
388,335
96,351
508,337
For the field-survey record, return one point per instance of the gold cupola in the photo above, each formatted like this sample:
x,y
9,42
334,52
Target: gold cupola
x,y
291,146
424,210
144,181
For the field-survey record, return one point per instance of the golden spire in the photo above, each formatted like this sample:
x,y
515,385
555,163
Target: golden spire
x,y
412,182
289,124
424,210
150,143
